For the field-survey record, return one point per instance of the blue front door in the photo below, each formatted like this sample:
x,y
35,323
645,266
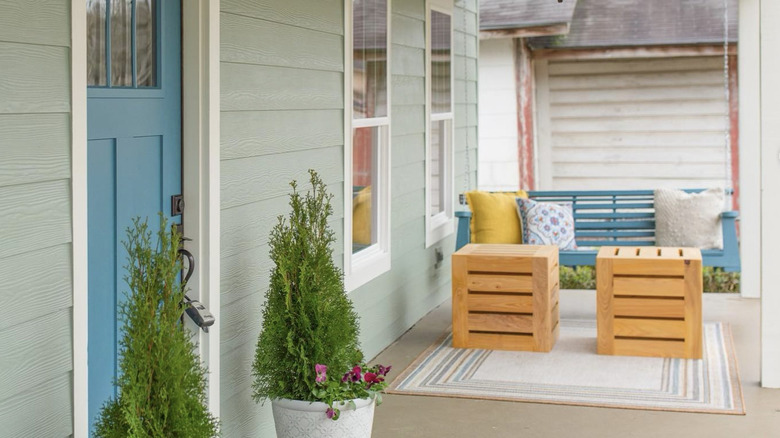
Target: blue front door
x,y
133,154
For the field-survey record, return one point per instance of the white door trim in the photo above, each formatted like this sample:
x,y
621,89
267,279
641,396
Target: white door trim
x,y
78,66
201,170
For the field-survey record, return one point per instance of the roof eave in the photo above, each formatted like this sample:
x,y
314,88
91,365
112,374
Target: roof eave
x,y
524,32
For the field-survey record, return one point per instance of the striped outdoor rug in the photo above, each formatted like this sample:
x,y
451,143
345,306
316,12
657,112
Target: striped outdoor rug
x,y
573,374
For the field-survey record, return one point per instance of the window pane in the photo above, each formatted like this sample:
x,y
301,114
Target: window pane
x,y
365,150
441,63
121,43
146,43
440,142
369,75
96,42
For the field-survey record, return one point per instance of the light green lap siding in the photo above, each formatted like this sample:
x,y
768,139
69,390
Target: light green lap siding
x,y
282,113
36,385
282,107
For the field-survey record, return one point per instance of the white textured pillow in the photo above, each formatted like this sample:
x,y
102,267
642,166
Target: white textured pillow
x,y
689,219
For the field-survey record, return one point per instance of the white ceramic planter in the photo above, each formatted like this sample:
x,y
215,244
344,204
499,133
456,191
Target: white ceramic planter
x,y
302,419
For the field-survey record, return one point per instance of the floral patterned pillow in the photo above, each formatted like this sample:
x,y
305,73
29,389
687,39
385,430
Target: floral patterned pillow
x,y
546,223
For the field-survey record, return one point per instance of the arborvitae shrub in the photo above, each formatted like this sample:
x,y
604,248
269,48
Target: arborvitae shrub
x,y
307,318
161,382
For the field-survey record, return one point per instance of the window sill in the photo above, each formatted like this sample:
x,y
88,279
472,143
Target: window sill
x,y
366,266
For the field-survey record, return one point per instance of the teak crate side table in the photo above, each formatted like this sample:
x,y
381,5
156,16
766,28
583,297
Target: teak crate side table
x,y
649,301
505,297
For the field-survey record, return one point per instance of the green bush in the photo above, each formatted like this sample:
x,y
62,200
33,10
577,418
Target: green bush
x,y
714,279
161,382
307,319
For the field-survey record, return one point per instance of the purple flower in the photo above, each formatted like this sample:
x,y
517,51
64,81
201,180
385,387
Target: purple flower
x,y
384,370
330,412
372,378
321,371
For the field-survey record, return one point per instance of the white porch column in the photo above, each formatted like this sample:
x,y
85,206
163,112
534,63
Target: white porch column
x,y
770,191
749,147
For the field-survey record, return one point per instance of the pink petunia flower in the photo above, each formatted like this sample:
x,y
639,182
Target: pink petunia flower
x,y
321,371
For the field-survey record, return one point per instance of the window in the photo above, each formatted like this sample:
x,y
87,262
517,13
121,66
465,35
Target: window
x,y
439,142
367,150
122,43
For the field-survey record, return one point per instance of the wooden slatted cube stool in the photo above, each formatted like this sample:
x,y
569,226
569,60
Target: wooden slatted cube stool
x,y
649,301
505,297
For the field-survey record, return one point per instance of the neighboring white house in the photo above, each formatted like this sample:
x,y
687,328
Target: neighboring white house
x,y
626,94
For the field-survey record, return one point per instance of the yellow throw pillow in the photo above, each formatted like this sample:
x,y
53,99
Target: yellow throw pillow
x,y
361,217
494,217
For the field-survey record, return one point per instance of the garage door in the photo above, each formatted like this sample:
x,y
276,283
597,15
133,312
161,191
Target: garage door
x,y
631,124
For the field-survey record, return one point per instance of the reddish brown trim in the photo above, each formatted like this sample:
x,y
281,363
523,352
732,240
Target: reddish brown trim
x,y
550,29
524,84
734,128
634,52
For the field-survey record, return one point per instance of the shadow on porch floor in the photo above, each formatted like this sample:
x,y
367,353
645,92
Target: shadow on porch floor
x,y
417,416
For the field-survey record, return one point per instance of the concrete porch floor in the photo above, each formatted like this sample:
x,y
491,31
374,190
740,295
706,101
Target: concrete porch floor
x,y
418,416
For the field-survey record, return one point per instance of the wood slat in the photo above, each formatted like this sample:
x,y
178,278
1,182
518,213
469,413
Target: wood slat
x,y
499,264
496,322
649,328
648,307
644,286
620,225
649,347
558,68
634,266
500,303
499,283
493,341
460,301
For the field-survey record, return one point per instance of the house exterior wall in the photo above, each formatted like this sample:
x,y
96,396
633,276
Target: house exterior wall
x,y
499,169
634,124
36,388
282,109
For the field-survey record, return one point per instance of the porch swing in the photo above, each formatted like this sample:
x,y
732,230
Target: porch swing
x,y
612,217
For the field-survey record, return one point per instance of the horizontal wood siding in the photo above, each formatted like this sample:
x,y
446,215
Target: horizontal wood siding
x,y
634,124
282,64
36,383
282,113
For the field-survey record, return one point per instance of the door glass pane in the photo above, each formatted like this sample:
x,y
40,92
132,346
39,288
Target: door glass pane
x,y
439,147
365,150
369,71
121,43
96,42
441,63
146,43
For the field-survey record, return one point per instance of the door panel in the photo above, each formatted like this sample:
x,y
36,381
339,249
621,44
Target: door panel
x,y
134,167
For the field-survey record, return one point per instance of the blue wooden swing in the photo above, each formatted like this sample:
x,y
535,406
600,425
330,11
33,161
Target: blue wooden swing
x,y
618,218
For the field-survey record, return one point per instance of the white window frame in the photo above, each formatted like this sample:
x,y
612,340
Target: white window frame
x,y
364,266
441,225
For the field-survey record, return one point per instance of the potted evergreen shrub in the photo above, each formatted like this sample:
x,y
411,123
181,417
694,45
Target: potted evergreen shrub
x,y
161,383
307,360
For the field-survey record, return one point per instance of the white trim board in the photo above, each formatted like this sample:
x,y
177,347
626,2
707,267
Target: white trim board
x,y
78,66
201,170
